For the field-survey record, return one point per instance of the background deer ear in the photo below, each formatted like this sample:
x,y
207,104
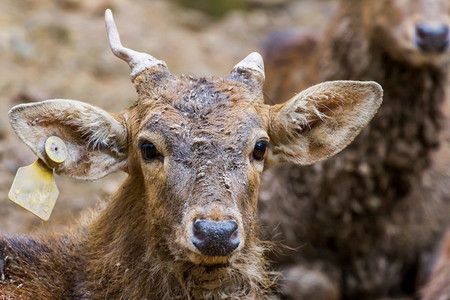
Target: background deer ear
x,y
96,140
322,120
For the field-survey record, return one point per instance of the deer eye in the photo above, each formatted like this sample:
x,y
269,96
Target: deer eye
x,y
260,150
148,150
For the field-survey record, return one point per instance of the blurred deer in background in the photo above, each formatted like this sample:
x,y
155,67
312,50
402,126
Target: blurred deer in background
x,y
439,286
368,220
183,224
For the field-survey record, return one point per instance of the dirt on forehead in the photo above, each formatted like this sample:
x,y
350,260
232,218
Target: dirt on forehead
x,y
192,96
58,49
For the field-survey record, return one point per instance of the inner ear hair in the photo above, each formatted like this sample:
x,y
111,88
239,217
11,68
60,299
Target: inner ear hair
x,y
322,120
96,140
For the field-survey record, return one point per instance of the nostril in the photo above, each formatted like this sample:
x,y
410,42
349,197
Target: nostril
x,y
232,227
234,235
431,38
198,232
235,240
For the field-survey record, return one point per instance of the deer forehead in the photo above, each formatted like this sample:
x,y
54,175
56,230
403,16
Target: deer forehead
x,y
200,111
192,95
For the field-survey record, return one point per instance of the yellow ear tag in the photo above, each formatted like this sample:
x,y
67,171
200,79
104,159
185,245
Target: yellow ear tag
x,y
34,186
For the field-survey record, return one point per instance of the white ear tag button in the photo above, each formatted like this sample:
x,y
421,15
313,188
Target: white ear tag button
x,y
34,186
56,149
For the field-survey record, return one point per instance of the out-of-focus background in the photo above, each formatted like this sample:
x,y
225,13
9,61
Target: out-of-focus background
x,y
58,49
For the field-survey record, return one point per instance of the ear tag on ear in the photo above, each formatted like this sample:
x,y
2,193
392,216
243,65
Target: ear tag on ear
x,y
34,186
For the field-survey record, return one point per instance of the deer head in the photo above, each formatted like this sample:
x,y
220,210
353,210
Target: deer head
x,y
195,148
415,31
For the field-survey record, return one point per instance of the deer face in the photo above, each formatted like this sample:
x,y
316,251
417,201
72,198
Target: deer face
x,y
201,151
197,147
416,31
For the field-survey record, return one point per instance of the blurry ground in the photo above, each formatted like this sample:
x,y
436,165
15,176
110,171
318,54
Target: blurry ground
x,y
58,49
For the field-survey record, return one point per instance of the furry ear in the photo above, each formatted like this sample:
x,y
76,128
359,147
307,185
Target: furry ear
x,y
96,140
322,120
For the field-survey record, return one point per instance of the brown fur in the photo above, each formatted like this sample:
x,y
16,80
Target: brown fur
x,y
205,131
439,286
369,218
288,56
128,251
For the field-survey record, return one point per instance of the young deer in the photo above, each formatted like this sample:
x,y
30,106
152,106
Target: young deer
x,y
368,219
183,224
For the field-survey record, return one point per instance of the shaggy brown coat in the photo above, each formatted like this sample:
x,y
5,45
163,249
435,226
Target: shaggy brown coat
x,y
193,150
364,223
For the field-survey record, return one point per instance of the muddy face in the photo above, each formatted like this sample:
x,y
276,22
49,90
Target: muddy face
x,y
415,31
201,152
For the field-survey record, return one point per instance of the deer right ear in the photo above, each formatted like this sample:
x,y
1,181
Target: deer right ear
x,y
96,140
321,120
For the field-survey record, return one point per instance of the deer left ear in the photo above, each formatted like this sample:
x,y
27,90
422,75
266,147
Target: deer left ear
x,y
321,121
96,140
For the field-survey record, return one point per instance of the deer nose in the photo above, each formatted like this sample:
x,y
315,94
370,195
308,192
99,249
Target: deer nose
x,y
432,39
214,238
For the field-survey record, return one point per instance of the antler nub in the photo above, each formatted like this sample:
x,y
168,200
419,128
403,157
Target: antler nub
x,y
253,61
137,61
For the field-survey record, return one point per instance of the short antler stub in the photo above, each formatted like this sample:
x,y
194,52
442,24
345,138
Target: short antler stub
x,y
254,62
250,71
